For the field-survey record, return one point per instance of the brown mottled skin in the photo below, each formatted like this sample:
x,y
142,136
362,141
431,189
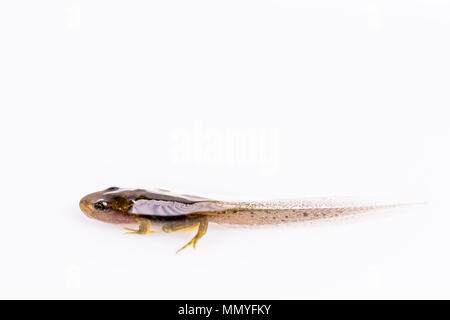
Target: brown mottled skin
x,y
183,212
113,205
116,213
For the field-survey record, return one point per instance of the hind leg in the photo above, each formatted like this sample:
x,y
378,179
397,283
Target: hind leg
x,y
200,223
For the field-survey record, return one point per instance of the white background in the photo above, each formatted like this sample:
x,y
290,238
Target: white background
x,y
230,100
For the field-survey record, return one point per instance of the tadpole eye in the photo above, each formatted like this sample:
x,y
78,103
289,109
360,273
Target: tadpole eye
x,y
101,205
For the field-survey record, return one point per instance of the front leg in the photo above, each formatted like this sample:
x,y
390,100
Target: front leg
x,y
144,227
